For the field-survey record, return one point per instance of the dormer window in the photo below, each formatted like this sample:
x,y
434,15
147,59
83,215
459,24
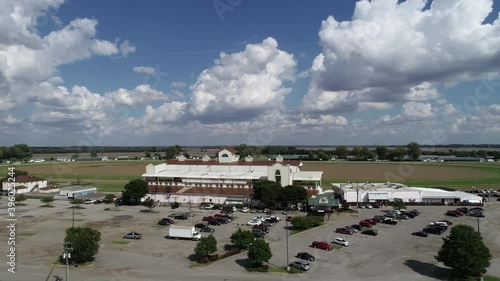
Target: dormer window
x,y
225,155
277,175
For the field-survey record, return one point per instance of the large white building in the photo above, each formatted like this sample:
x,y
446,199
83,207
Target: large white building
x,y
387,192
227,174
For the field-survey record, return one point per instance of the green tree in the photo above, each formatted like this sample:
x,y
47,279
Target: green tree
x,y
293,194
397,154
134,191
75,156
93,154
77,202
259,252
1,152
322,155
413,150
20,198
268,192
172,152
341,152
147,153
206,246
398,204
356,151
84,242
464,251
150,203
47,201
242,238
381,152
157,155
109,198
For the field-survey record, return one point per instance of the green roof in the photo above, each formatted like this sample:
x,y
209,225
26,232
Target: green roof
x,y
324,200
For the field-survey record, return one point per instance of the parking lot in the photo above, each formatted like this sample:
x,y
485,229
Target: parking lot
x,y
394,254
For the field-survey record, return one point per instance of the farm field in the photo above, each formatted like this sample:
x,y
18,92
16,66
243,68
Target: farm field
x,y
111,176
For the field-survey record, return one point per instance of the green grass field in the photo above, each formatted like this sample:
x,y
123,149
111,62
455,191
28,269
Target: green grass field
x,y
115,183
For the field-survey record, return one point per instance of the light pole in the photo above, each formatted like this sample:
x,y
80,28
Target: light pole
x,y
286,237
478,231
73,221
67,255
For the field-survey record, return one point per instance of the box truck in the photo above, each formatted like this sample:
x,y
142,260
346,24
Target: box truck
x,y
183,232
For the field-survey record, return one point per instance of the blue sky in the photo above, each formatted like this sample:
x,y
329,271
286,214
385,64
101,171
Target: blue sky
x,y
293,73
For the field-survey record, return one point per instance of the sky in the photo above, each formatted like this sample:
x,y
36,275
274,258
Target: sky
x,y
260,72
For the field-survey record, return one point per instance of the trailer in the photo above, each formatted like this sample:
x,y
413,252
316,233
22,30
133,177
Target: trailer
x,y
183,232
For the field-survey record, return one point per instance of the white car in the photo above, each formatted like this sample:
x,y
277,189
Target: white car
x,y
254,222
209,206
245,210
341,242
90,201
369,206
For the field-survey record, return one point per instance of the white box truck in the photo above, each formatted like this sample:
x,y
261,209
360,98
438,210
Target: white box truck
x,y
183,232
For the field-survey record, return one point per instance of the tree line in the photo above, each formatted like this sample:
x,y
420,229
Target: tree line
x,y
411,151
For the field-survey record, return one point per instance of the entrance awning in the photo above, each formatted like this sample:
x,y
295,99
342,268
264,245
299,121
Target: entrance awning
x,y
377,196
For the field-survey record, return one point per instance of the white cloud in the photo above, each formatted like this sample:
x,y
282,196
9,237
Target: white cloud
x,y
392,52
105,48
178,84
245,84
126,48
417,109
144,69
142,94
323,120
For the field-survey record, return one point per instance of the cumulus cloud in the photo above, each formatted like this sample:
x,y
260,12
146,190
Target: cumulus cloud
x,y
126,48
144,69
400,52
142,94
243,85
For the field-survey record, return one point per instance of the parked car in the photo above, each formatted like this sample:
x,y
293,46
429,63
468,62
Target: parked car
x,y
209,218
261,227
90,201
365,224
257,233
390,215
380,218
478,215
132,235
305,256
368,206
354,230
172,215
175,205
181,217
376,206
254,222
401,216
476,209
451,214
213,222
302,265
244,210
98,201
209,206
433,230
447,222
369,232
163,222
464,210
357,226
390,221
223,220
344,231
200,225
207,229
322,245
420,233
341,242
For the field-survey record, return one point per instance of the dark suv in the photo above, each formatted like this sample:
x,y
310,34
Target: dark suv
x,y
433,230
257,233
305,256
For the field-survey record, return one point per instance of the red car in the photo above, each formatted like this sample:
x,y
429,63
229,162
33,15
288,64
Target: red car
x,y
322,245
344,231
372,221
208,218
218,216
365,223
458,212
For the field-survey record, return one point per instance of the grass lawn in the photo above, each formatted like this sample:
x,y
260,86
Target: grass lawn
x,y
121,242
27,234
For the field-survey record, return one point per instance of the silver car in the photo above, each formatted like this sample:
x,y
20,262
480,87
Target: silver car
x,y
302,265
132,235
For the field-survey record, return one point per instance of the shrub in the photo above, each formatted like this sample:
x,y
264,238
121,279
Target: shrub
x,y
231,252
307,222
204,260
214,257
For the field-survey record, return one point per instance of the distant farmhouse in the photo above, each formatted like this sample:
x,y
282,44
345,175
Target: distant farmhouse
x,y
225,176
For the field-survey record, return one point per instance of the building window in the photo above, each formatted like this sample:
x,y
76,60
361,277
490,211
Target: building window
x,y
225,155
277,175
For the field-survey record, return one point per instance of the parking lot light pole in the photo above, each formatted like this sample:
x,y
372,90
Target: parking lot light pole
x,y
67,255
478,231
73,221
286,237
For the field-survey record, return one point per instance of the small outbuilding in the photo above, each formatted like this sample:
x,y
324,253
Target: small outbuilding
x,y
24,183
78,191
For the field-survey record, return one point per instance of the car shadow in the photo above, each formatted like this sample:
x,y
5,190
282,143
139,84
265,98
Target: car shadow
x,y
242,262
428,269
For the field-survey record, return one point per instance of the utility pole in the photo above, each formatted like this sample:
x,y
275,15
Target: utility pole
x,y
73,221
286,230
478,231
67,255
